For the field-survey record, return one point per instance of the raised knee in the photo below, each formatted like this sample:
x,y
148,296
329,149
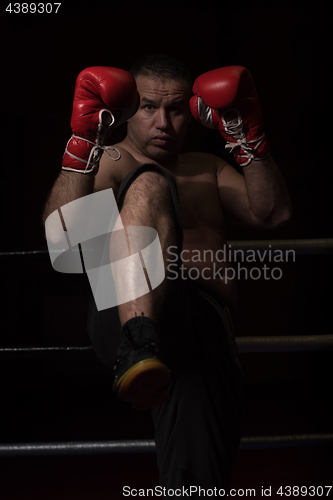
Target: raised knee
x,y
149,185
151,180
150,188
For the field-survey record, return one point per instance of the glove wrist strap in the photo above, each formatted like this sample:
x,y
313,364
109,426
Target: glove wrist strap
x,y
248,149
94,156
106,121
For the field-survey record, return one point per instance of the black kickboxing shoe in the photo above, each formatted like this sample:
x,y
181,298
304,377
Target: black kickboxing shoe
x,y
140,375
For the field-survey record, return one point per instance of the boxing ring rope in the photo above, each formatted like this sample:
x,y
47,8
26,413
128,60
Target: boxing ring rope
x,y
285,343
245,345
300,246
148,446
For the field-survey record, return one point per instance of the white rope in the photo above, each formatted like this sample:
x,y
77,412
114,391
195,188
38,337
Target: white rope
x,y
97,147
235,129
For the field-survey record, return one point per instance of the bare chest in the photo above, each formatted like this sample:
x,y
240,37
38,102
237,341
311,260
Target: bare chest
x,y
199,201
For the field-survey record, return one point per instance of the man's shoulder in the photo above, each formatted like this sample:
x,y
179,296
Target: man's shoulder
x,y
115,164
119,150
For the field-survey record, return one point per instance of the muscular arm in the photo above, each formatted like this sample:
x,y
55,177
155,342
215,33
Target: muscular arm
x,y
226,99
69,186
104,97
259,198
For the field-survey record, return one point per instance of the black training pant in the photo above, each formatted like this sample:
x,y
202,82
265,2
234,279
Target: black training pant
x,y
198,431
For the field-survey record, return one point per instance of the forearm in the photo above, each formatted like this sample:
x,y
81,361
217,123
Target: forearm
x,y
69,186
267,192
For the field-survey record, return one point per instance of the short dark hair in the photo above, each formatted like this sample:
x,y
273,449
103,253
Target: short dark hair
x,y
161,66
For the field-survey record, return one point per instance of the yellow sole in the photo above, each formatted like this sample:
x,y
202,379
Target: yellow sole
x,y
142,384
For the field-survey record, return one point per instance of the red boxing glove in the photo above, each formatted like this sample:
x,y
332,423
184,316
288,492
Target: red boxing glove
x,y
226,99
103,99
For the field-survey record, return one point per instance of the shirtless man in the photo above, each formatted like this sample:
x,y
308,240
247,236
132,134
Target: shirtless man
x,y
186,322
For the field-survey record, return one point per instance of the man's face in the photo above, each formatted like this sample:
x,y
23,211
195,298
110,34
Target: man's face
x,y
158,128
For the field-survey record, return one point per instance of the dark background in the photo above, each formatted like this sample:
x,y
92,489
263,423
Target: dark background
x,y
287,47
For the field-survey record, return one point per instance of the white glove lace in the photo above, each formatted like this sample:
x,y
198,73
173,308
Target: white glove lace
x,y
98,147
94,155
234,128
